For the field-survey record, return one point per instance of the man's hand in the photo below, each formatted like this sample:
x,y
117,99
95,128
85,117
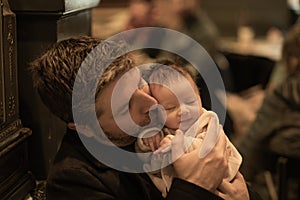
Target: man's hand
x,y
235,190
206,172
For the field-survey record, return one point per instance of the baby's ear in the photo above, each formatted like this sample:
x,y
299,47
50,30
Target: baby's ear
x,y
83,129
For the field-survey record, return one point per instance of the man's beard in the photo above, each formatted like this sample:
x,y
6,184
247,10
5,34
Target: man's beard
x,y
121,141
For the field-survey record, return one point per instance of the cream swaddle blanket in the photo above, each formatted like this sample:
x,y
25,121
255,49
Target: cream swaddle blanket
x,y
205,132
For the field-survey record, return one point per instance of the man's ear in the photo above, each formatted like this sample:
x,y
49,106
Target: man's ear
x,y
83,129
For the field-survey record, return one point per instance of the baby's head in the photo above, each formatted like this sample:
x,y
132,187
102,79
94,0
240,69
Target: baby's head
x,y
174,88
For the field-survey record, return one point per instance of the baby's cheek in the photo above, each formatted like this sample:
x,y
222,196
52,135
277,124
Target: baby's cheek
x,y
173,120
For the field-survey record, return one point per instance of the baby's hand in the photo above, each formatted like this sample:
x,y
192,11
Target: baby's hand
x,y
153,141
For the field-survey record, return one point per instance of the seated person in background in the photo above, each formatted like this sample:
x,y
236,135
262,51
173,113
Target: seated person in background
x,y
76,173
140,14
277,125
169,83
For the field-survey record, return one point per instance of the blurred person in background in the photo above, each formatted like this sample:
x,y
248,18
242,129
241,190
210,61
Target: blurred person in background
x,y
243,108
140,14
294,11
188,17
276,127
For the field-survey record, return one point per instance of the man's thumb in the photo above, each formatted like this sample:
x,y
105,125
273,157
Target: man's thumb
x,y
177,145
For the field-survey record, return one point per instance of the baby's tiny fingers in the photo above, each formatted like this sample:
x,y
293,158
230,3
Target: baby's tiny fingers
x,y
166,149
151,144
157,140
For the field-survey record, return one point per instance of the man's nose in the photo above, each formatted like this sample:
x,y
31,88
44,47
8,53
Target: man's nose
x,y
140,105
146,101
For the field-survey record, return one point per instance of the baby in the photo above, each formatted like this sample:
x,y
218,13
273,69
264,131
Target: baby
x,y
176,91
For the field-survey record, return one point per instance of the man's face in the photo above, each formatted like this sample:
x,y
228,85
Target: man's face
x,y
140,103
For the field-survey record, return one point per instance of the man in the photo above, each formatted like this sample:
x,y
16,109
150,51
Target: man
x,y
76,173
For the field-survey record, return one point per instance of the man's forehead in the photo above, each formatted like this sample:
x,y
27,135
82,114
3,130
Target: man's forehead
x,y
124,87
119,91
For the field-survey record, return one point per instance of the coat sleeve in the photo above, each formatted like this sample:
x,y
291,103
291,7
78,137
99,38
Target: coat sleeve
x,y
72,183
181,189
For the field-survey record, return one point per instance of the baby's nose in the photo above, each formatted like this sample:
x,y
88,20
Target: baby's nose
x,y
184,110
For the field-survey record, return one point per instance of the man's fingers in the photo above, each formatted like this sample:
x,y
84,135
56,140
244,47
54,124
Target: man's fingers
x,y
220,194
211,138
222,143
224,186
223,196
235,190
227,186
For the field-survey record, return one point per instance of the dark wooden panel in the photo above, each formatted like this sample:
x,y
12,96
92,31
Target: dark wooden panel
x,y
36,32
15,179
52,6
8,81
113,3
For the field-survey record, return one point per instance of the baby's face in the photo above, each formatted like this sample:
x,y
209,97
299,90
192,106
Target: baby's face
x,y
179,114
